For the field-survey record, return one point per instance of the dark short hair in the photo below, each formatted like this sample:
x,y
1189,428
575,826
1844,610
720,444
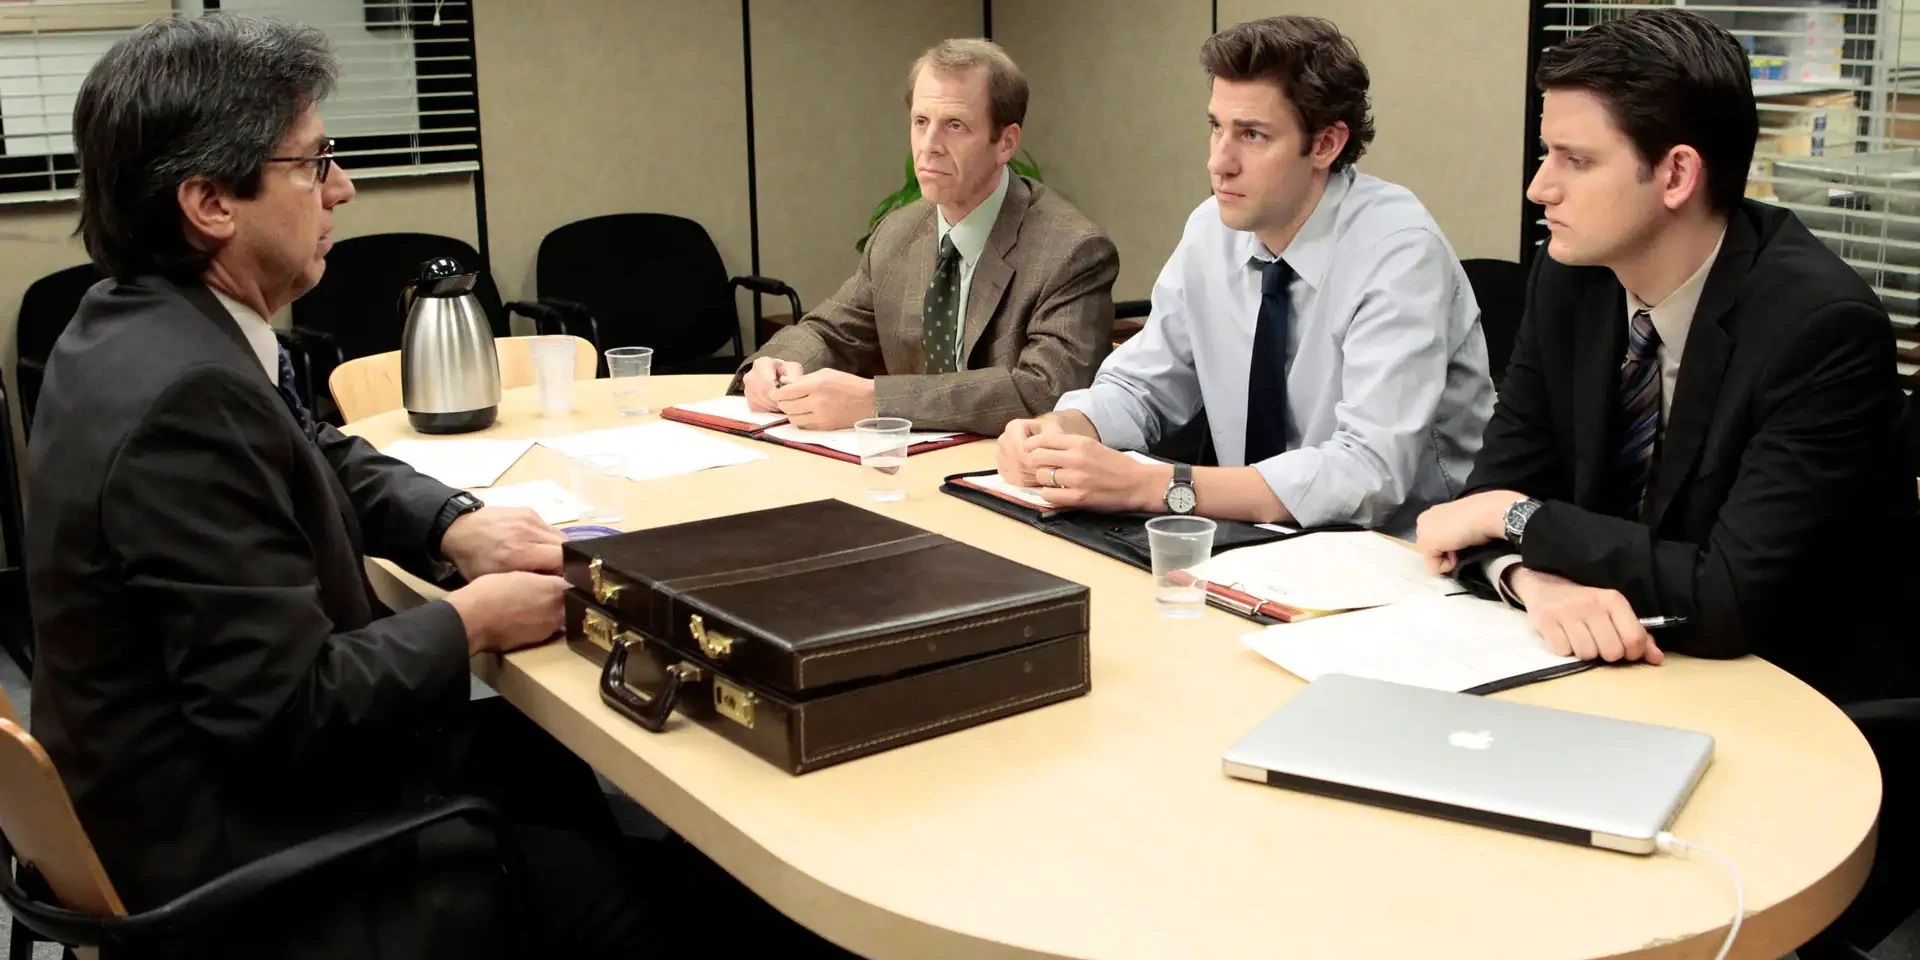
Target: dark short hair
x,y
181,98
1006,85
1668,77
1316,66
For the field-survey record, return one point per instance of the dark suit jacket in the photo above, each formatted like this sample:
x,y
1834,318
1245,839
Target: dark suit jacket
x,y
214,680
1039,316
1783,506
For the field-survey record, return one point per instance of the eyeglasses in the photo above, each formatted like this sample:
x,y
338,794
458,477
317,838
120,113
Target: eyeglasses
x,y
322,161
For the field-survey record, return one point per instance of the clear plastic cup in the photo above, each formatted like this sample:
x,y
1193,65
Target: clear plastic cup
x,y
883,454
1179,544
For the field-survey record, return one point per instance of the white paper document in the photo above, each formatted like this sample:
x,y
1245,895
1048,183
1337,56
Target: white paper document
x,y
1443,643
1035,497
459,463
845,441
553,502
1329,571
733,408
658,449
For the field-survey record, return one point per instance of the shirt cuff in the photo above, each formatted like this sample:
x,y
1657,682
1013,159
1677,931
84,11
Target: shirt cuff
x,y
1111,418
1496,570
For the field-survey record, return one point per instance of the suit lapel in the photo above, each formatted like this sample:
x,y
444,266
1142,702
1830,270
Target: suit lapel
x,y
920,252
992,274
1703,364
1597,355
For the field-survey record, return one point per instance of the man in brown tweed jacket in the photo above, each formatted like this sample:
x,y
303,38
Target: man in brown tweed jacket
x,y
980,304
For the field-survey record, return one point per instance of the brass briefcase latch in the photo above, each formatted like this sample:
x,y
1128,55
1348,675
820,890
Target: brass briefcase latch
x,y
712,642
604,589
734,703
599,628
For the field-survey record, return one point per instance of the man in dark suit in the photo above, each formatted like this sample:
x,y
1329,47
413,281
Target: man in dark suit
x,y
1701,419
215,680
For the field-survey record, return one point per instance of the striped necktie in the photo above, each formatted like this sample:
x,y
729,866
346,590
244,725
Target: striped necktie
x,y
940,319
291,396
1639,415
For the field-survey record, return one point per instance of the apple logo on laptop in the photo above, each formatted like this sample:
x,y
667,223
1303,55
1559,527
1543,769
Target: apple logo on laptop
x,y
1471,739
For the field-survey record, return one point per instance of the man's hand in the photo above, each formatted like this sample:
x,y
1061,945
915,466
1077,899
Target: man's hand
x,y
766,375
499,539
1011,454
1077,471
1581,621
825,400
507,611
1445,530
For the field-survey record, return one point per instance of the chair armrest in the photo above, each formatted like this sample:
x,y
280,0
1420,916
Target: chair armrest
x,y
235,887
768,286
552,315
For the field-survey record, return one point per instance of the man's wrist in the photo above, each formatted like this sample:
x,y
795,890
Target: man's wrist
x,y
1151,489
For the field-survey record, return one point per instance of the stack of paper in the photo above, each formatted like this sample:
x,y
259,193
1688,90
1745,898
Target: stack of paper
x,y
1328,571
732,408
1444,643
657,449
845,441
459,463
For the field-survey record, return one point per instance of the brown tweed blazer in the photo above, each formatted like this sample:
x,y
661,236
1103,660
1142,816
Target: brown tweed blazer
x,y
1039,316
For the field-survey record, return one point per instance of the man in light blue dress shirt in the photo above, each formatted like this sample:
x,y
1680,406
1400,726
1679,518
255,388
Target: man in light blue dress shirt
x,y
1316,314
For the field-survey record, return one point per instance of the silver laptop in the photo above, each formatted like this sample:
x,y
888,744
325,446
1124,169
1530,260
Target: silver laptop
x,y
1550,773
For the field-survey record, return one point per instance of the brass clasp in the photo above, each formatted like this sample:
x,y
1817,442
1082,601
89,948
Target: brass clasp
x,y
733,702
712,642
604,589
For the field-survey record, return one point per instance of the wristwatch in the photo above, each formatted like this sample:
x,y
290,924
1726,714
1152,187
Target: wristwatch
x,y
1517,517
457,506
1180,497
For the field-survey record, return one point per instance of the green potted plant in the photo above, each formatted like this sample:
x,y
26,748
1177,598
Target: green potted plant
x,y
1023,165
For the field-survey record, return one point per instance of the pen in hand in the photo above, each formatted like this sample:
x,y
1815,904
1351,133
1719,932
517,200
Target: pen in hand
x,y
1655,623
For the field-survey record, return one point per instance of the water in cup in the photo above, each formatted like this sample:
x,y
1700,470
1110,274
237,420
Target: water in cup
x,y
883,451
1178,545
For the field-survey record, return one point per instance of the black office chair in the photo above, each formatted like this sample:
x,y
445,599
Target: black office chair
x,y
1500,287
650,280
192,913
355,310
45,310
16,625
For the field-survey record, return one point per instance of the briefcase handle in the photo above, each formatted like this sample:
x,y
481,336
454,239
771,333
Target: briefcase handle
x,y
652,712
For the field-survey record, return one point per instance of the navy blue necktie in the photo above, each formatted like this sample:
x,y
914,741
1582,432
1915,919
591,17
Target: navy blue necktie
x,y
292,396
1639,423
1267,374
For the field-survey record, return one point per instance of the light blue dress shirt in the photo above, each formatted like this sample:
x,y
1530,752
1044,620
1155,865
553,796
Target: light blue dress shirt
x,y
1387,385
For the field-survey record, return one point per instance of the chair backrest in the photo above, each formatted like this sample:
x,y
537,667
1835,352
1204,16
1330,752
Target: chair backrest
x,y
357,301
12,527
364,386
650,280
1500,286
45,310
38,820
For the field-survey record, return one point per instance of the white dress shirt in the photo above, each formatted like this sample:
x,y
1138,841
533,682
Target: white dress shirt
x,y
1387,385
259,334
970,237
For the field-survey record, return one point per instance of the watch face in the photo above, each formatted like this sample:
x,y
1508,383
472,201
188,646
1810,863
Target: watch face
x,y
1180,498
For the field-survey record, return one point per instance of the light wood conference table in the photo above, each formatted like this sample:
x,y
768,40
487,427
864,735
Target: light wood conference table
x,y
1104,827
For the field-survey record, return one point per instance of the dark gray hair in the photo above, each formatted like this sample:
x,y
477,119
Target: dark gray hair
x,y
177,99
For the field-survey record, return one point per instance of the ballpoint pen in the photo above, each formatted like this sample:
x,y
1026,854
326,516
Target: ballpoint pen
x,y
1655,623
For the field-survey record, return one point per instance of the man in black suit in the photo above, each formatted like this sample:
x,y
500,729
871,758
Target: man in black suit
x,y
1701,417
215,681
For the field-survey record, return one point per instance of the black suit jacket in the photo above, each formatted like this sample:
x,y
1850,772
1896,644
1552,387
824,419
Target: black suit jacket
x,y
215,681
1783,508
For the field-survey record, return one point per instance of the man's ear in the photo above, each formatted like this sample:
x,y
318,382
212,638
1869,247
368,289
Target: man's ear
x,y
1327,144
208,212
1008,144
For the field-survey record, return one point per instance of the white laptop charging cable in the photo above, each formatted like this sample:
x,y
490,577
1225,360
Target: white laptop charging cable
x,y
1668,843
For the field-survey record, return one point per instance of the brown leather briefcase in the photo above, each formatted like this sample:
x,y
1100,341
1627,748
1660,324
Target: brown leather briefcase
x,y
820,632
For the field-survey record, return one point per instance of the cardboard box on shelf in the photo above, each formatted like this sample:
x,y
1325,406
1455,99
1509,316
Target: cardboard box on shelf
x,y
1821,123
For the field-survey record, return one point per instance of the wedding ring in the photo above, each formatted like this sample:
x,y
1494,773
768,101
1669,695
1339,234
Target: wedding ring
x,y
1053,476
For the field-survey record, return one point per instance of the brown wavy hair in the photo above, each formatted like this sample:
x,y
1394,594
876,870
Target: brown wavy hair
x,y
1316,67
